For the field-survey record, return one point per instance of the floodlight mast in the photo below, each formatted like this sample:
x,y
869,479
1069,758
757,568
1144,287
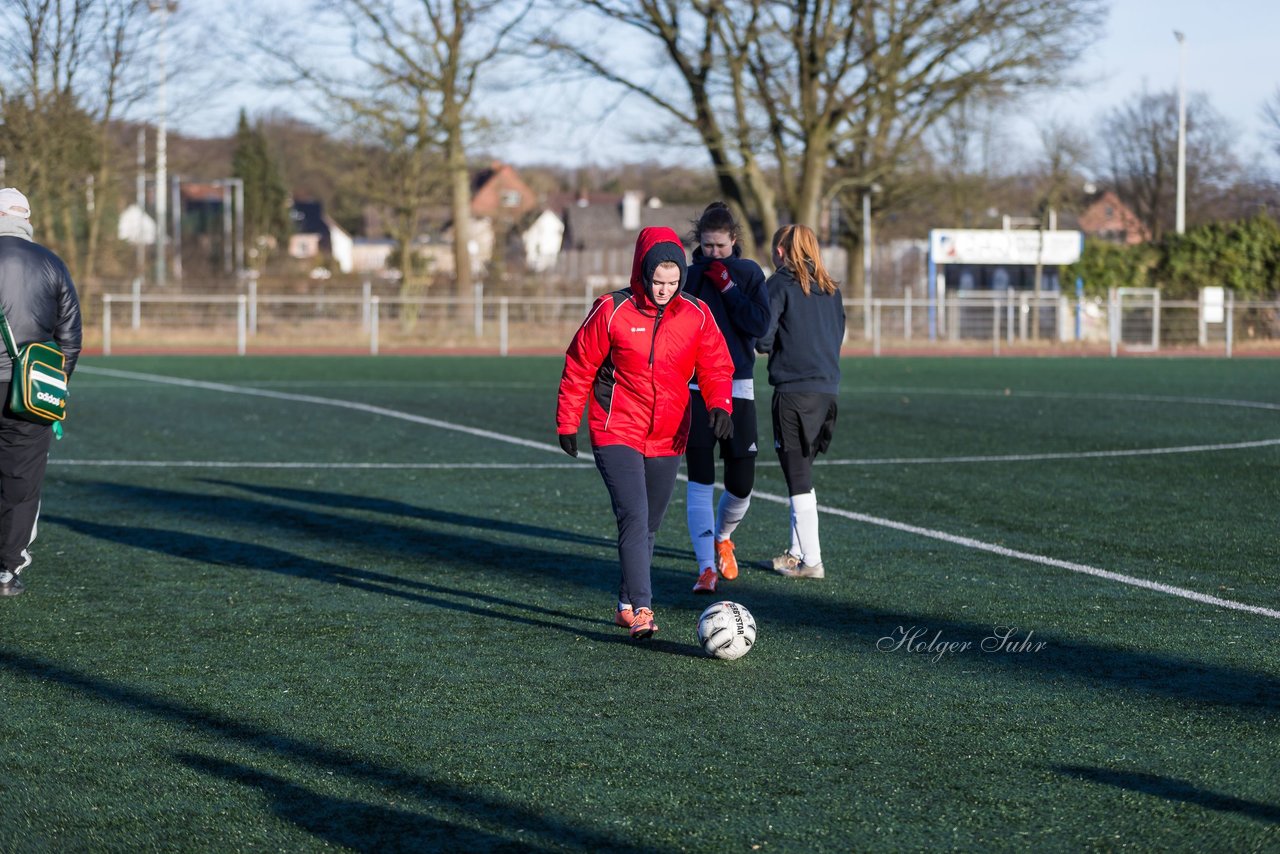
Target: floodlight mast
x,y
1180,222
164,7
866,256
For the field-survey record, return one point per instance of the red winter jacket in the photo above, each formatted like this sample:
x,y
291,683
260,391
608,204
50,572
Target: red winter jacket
x,y
636,360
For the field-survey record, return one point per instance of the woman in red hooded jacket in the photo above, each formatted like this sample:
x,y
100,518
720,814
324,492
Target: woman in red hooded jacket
x,y
634,357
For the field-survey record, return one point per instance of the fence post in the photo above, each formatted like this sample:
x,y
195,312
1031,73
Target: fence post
x,y
253,307
366,291
242,323
374,311
1079,307
137,303
1202,328
875,326
995,325
1113,320
906,313
1231,309
479,320
1155,322
502,325
106,324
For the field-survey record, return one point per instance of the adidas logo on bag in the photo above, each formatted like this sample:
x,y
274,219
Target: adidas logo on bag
x,y
48,398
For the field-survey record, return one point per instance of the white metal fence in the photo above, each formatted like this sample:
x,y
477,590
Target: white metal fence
x,y
990,322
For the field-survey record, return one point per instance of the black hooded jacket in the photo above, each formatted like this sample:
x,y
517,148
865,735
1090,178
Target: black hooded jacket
x,y
742,312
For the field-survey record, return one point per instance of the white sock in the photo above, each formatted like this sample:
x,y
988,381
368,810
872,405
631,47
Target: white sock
x,y
623,606
795,535
701,518
729,513
804,509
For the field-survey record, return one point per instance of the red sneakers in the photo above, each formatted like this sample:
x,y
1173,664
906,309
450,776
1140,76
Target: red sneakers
x,y
725,561
623,617
706,581
642,624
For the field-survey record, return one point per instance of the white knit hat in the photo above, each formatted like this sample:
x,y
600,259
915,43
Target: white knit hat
x,y
13,203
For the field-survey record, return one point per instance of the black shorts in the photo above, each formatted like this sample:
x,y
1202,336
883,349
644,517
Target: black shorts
x,y
746,433
803,422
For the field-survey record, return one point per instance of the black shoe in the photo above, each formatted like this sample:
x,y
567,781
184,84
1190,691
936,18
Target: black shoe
x,y
12,587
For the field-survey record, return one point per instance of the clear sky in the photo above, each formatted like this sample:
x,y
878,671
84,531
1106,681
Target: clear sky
x,y
1232,56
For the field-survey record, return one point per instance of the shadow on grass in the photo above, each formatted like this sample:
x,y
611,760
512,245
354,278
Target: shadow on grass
x,y
465,804
353,824
238,554
773,600
371,504
1172,789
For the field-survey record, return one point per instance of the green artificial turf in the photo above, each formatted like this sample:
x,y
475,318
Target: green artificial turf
x,y
271,621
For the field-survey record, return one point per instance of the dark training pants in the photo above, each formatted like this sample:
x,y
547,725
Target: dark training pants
x,y
24,453
803,424
640,488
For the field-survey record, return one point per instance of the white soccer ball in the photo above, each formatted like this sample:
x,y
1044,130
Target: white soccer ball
x,y
726,630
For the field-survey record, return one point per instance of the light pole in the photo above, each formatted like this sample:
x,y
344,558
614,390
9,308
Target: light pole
x,y
866,257
164,7
1180,222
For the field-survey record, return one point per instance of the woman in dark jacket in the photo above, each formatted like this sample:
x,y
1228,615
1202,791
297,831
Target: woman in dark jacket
x,y
633,357
733,288
806,329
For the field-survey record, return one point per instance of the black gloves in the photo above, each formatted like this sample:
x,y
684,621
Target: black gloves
x,y
721,424
569,443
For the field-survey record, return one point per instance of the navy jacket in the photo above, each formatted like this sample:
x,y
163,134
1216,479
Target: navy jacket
x,y
742,312
804,336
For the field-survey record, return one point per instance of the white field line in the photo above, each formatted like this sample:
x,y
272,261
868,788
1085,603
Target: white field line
x,y
335,466
1062,455
970,543
943,536
321,401
1071,395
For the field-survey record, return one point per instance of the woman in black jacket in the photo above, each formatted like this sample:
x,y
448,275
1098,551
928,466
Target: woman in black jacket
x,y
806,329
733,289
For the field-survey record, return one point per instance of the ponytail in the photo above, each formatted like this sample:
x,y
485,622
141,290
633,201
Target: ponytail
x,y
796,248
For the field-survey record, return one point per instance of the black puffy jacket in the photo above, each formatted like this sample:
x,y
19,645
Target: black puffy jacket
x,y
39,300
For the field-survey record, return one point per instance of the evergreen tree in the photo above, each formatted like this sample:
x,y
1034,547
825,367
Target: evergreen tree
x,y
266,199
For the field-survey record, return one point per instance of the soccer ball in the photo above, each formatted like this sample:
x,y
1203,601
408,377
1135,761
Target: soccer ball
x,y
726,630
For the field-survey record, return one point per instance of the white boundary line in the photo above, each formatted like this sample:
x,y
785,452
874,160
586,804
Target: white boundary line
x,y
1063,455
234,464
966,542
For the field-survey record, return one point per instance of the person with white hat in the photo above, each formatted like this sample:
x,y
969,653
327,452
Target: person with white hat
x,y
40,303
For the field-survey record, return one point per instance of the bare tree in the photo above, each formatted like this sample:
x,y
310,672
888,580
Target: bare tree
x,y
417,64
78,66
779,91
1271,115
1141,142
122,37
47,132
1066,150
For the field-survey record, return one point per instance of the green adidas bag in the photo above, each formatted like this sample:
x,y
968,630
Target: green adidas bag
x,y
38,390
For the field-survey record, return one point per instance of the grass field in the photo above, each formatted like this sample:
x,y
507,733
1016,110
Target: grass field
x,y
313,603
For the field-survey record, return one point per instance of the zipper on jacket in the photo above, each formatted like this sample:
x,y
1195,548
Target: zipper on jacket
x,y
653,341
653,380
